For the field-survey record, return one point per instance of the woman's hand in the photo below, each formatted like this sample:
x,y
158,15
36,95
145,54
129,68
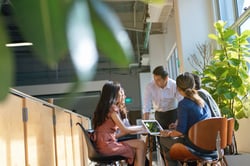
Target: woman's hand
x,y
165,133
170,133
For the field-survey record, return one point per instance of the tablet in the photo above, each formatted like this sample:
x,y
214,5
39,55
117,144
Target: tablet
x,y
152,126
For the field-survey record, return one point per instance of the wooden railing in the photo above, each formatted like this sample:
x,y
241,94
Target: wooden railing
x,y
34,132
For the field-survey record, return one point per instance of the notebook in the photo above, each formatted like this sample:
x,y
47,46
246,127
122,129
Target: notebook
x,y
152,126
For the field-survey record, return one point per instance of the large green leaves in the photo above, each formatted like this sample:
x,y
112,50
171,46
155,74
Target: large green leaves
x,y
81,40
6,64
111,38
227,78
81,28
42,22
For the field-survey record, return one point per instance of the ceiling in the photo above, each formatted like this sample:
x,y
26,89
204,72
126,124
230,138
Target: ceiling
x,y
138,19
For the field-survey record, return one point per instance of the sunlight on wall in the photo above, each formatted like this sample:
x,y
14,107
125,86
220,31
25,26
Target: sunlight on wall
x,y
12,155
76,149
65,153
33,151
3,152
16,156
69,151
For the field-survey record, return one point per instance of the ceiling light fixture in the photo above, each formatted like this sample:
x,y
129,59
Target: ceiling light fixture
x,y
18,44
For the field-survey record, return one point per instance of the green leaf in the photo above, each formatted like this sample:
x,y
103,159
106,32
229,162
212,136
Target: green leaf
x,y
81,40
221,90
6,64
230,95
43,24
246,33
221,72
112,40
213,36
228,34
235,80
234,62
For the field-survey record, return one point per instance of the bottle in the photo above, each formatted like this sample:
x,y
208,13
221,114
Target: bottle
x,y
218,146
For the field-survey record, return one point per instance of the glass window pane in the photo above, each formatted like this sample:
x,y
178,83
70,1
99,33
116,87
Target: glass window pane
x,y
226,11
242,5
245,26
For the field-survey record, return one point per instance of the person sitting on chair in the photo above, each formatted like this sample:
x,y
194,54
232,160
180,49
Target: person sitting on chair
x,y
206,96
106,122
191,109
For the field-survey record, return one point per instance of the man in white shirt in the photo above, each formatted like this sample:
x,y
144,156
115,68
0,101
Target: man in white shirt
x,y
161,95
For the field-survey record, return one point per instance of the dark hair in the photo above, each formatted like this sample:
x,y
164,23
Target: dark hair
x,y
186,83
160,71
122,108
108,97
197,81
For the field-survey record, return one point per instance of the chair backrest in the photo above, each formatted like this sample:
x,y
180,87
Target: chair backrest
x,y
230,130
92,153
204,133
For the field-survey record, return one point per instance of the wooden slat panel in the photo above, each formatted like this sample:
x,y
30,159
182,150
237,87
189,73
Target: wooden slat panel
x,y
86,123
11,132
63,138
40,136
79,156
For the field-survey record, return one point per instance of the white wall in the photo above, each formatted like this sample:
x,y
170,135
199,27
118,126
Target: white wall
x,y
193,24
243,136
188,26
160,45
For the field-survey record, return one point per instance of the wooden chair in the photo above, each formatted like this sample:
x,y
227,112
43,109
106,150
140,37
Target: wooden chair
x,y
96,157
230,138
207,139
230,135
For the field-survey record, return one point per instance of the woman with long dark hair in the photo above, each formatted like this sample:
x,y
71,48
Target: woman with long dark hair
x,y
107,121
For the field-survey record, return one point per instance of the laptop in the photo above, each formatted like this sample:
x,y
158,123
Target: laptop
x,y
152,126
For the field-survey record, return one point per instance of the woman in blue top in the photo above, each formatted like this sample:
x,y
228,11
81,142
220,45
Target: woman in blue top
x,y
191,109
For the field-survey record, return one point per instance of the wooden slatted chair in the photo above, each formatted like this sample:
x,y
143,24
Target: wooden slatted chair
x,y
207,139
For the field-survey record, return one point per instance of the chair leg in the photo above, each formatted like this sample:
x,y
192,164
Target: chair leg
x,y
224,160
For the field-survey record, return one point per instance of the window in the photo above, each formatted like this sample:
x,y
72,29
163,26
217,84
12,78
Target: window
x,y
227,12
242,6
232,11
173,64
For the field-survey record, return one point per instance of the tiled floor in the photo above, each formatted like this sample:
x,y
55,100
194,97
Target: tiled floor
x,y
157,160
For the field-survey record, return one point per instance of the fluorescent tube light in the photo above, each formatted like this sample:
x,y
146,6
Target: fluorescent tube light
x,y
18,44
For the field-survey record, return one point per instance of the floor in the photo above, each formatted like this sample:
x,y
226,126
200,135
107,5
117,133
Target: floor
x,y
157,160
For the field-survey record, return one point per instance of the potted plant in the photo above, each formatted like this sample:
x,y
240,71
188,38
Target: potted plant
x,y
225,72
227,75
